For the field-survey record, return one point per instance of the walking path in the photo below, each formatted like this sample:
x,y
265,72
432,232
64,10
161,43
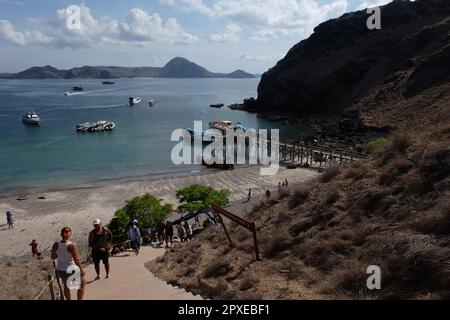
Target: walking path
x,y
130,280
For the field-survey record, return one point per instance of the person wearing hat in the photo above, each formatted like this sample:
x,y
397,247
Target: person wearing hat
x,y
100,243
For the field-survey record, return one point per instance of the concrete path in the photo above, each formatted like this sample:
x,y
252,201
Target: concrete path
x,y
130,280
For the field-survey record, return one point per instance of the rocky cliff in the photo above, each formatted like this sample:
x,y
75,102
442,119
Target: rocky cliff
x,y
345,65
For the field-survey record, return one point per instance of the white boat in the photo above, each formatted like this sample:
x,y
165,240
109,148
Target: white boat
x,y
31,117
151,103
134,100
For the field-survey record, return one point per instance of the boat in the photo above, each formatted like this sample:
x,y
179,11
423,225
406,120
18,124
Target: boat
x,y
98,126
151,103
218,105
134,100
31,117
77,88
108,82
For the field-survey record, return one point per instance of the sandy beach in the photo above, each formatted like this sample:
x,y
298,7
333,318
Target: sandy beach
x,y
42,219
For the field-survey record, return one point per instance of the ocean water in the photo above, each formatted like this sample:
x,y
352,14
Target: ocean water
x,y
55,155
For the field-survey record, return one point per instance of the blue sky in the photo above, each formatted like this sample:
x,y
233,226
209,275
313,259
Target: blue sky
x,y
222,35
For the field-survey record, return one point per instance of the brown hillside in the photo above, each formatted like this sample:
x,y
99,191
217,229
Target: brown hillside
x,y
317,242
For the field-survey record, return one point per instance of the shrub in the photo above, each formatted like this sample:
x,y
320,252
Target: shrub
x,y
329,174
376,144
217,269
299,197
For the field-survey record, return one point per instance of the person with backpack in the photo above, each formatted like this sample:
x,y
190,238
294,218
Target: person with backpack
x,y
100,239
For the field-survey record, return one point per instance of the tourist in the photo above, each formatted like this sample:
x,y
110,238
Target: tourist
x,y
182,232
249,194
134,235
160,229
286,183
35,249
68,259
100,243
280,188
189,230
169,234
268,194
10,220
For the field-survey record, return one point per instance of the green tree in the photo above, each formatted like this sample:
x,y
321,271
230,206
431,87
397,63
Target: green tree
x,y
197,197
147,209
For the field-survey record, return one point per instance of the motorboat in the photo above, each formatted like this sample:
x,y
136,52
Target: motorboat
x,y
77,88
151,103
31,117
134,100
108,82
218,105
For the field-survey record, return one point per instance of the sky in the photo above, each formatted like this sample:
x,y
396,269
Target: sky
x,y
221,35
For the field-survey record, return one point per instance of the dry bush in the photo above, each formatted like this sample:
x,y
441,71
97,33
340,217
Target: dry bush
x,y
434,222
301,226
329,174
331,197
356,172
248,280
276,245
298,198
217,269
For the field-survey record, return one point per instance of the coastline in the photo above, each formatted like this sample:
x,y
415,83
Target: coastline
x,y
77,206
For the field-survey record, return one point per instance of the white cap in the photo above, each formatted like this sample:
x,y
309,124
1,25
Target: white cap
x,y
135,221
96,222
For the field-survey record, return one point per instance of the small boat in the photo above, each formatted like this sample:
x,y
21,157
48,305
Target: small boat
x,y
77,88
134,100
98,126
108,82
218,105
31,117
151,103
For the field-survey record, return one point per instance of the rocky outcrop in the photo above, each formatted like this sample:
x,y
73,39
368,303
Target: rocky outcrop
x,y
344,63
176,68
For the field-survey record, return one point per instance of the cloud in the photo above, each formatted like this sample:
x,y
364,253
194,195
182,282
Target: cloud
x,y
249,57
9,34
373,3
14,2
269,18
232,34
139,28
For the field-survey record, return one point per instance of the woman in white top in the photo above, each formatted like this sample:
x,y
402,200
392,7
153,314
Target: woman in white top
x,y
67,256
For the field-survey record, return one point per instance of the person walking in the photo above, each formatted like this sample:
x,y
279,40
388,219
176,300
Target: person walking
x,y
35,249
169,234
189,231
268,194
100,243
249,194
280,187
134,235
9,220
68,259
182,232
286,183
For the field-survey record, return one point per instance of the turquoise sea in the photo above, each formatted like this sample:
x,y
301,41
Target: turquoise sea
x,y
54,155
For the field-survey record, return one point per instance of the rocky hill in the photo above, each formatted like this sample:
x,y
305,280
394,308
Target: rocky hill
x,y
344,65
176,68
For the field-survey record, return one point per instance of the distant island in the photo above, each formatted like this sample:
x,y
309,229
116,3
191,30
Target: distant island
x,y
175,68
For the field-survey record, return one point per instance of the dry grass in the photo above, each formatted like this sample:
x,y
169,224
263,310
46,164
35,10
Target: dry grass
x,y
392,210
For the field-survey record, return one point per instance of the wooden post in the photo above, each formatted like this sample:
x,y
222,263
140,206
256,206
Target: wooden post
x,y
225,229
52,290
255,241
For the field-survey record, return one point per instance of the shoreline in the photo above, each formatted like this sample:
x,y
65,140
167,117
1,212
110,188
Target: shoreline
x,y
77,206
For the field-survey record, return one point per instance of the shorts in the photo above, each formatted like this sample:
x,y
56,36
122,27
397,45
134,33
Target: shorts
x,y
63,275
98,256
135,244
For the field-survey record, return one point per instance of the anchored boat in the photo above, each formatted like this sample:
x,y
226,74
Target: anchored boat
x,y
108,82
218,105
151,103
30,117
99,126
134,100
